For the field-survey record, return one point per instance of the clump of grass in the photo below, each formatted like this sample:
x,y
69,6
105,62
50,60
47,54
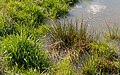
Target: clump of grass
x,y
17,14
36,33
67,38
6,27
23,13
25,53
64,67
54,8
68,35
99,65
102,60
107,66
88,65
113,34
104,50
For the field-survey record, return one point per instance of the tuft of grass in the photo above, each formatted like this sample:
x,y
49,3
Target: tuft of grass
x,y
68,35
114,33
24,52
23,13
104,50
99,65
56,8
107,66
64,67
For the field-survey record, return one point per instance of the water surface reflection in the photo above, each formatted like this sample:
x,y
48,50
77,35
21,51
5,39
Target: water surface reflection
x,y
97,11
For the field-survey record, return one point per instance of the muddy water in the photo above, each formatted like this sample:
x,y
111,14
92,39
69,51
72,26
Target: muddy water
x,y
97,13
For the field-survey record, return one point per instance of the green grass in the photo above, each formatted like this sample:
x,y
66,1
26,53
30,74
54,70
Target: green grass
x,y
114,33
32,13
78,52
96,56
24,52
64,67
69,34
23,13
69,48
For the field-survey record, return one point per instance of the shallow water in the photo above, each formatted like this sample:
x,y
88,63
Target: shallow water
x,y
97,13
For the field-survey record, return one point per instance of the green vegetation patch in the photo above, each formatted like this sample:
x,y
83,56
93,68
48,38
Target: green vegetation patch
x,y
23,13
24,52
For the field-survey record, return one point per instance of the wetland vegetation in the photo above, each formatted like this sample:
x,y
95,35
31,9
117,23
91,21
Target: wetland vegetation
x,y
31,46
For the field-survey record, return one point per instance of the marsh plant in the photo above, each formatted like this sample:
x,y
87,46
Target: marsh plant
x,y
113,32
70,35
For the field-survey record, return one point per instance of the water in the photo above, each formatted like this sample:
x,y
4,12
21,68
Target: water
x,y
97,13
